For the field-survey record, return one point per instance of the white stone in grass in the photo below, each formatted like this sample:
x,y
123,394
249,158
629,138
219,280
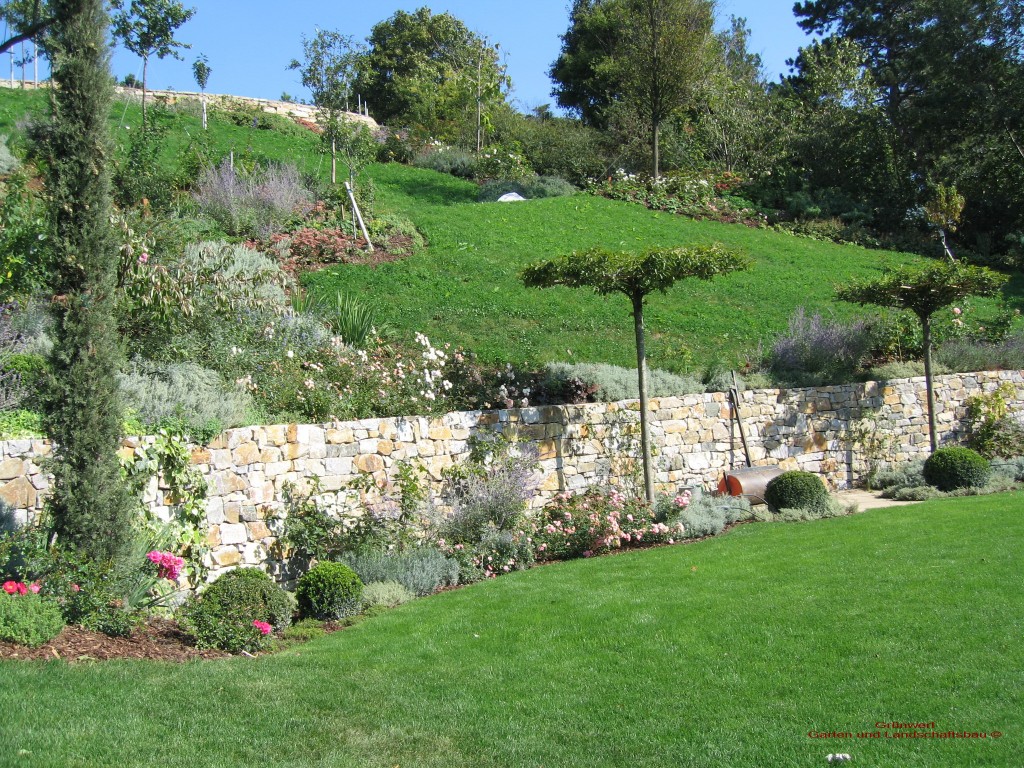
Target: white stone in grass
x,y
511,197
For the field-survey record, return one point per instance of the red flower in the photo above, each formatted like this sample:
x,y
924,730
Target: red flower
x,y
10,587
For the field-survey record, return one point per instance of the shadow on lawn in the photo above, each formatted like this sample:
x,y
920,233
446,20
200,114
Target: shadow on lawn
x,y
430,188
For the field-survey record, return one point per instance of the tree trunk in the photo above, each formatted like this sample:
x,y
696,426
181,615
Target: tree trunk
x,y
204,110
656,145
926,332
145,65
641,372
334,162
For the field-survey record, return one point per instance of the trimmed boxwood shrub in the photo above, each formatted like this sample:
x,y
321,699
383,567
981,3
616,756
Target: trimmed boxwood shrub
x,y
222,616
950,468
796,490
329,591
29,619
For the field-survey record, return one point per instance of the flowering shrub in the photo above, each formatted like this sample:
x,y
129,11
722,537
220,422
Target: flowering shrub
x,y
498,162
229,614
690,194
597,521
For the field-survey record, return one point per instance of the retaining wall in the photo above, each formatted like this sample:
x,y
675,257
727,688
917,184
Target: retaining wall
x,y
579,445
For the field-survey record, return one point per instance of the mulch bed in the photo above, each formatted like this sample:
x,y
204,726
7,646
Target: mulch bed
x,y
157,640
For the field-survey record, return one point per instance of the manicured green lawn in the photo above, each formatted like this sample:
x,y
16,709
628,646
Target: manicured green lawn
x,y
720,653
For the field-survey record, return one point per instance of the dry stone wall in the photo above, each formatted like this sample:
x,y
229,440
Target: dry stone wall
x,y
247,469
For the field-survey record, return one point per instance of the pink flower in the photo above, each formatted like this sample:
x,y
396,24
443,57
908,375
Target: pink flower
x,y
34,587
11,587
956,310
263,627
143,257
170,565
75,588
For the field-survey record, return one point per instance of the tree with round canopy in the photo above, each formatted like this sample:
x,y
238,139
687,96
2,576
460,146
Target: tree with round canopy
x,y
636,275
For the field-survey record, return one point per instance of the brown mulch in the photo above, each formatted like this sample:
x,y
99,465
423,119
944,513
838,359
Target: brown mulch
x,y
157,640
398,247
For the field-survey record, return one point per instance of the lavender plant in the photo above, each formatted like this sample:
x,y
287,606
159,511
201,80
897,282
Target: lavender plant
x,y
815,350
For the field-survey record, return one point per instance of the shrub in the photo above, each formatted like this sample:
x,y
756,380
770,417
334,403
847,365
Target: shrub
x,y
456,162
498,162
491,490
992,430
815,350
191,396
978,355
255,204
422,570
796,490
950,468
612,383
329,591
386,594
581,525
708,515
223,615
28,619
8,162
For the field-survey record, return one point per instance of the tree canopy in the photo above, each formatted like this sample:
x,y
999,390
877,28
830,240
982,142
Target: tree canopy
x,y
924,291
429,72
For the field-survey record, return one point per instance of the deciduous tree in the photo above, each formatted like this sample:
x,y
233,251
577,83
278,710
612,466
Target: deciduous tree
x,y
147,29
636,275
331,61
924,291
429,72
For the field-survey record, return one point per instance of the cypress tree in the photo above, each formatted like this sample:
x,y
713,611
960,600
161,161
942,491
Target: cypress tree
x,y
90,507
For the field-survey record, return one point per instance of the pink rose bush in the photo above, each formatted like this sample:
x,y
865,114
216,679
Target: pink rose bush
x,y
597,521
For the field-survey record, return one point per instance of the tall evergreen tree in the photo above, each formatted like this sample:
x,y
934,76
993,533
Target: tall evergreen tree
x,y
90,508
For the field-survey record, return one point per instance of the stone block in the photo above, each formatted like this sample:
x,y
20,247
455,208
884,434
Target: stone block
x,y
19,493
226,556
233,533
369,463
245,454
12,468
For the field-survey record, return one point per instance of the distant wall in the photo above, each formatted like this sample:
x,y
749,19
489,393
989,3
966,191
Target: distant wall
x,y
579,445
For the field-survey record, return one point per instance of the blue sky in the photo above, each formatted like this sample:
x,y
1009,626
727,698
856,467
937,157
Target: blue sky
x,y
250,42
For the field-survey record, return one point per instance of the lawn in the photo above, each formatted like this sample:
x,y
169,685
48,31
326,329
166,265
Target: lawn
x,y
465,287
726,652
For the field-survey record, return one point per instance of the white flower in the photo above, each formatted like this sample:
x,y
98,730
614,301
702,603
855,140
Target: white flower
x,y
290,354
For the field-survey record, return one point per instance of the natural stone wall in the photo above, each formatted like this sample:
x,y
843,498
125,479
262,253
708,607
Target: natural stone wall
x,y
579,445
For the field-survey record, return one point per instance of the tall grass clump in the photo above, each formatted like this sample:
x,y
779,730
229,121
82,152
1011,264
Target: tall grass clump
x,y
256,204
814,350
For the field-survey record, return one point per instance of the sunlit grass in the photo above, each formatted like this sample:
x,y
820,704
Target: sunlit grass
x,y
722,653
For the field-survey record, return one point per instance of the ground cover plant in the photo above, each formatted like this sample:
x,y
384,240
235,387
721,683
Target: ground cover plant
x,y
728,652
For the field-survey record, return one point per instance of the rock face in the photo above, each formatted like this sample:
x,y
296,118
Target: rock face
x,y
247,469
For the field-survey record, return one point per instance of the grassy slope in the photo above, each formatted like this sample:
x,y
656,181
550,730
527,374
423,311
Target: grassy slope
x,y
721,653
464,287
